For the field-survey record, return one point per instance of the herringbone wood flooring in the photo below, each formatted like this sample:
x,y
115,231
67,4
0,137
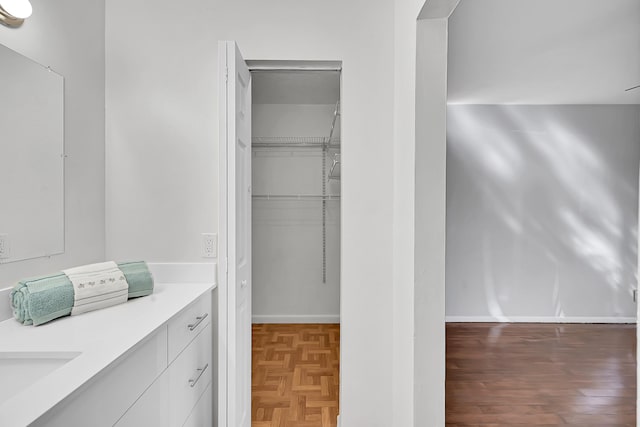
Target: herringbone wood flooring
x,y
295,375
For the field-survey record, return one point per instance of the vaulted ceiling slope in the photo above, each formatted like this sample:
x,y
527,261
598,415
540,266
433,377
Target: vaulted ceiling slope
x,y
544,52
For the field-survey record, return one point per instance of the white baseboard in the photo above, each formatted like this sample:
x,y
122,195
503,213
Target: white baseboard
x,y
537,319
296,318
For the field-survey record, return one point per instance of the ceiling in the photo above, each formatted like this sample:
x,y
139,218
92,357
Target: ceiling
x,y
295,87
544,52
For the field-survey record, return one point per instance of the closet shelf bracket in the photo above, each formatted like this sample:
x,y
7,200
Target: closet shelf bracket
x,y
334,172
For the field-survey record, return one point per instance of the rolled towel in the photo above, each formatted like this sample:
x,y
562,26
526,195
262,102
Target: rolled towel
x,y
42,299
97,286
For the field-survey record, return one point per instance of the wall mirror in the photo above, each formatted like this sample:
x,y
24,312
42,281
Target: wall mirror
x,y
31,159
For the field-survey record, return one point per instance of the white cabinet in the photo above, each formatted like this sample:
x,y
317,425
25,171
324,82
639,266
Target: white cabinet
x,y
184,327
152,409
102,401
161,382
189,376
172,398
201,414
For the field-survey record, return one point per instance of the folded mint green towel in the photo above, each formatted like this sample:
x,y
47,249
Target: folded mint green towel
x,y
42,299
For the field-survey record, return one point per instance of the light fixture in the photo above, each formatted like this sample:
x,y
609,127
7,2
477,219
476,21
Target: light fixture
x,y
14,12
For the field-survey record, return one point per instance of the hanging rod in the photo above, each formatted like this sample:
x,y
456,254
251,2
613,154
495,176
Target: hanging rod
x,y
317,140
295,197
294,141
269,69
292,145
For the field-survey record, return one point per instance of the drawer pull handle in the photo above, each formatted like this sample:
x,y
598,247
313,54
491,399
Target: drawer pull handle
x,y
199,320
194,381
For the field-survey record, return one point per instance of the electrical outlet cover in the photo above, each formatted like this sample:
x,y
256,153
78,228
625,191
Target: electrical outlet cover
x,y
5,247
209,245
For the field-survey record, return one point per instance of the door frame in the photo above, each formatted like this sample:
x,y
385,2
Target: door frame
x,y
220,404
225,345
220,400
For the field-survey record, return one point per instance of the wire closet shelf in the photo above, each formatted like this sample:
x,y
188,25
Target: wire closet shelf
x,y
296,197
293,142
330,146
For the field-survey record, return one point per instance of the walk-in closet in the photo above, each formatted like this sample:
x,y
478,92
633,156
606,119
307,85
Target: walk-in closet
x,y
296,170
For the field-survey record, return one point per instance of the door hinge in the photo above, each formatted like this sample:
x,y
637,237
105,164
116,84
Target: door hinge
x,y
635,295
226,265
226,74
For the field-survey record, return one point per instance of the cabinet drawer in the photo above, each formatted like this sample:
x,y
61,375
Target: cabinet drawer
x,y
107,396
188,324
202,414
152,408
189,376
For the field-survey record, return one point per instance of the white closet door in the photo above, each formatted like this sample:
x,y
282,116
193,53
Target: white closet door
x,y
238,295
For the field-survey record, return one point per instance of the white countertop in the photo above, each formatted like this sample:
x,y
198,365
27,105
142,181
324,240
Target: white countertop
x,y
101,337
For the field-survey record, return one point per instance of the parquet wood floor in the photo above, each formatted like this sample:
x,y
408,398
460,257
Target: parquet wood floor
x,y
295,373
513,375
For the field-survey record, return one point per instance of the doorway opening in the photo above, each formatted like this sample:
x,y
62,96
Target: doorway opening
x,y
295,187
549,241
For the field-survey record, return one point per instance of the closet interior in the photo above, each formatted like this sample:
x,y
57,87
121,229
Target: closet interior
x,y
296,168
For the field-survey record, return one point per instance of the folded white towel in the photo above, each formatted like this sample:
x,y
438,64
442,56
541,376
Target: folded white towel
x,y
97,286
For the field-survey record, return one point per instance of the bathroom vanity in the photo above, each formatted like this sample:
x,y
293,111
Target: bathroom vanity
x,y
145,362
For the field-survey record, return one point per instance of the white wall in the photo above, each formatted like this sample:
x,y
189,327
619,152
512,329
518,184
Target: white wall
x,y
162,148
430,202
293,120
287,235
419,209
542,208
74,48
544,52
405,15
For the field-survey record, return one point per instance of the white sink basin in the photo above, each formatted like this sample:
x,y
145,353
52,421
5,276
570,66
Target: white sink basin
x,y
20,370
